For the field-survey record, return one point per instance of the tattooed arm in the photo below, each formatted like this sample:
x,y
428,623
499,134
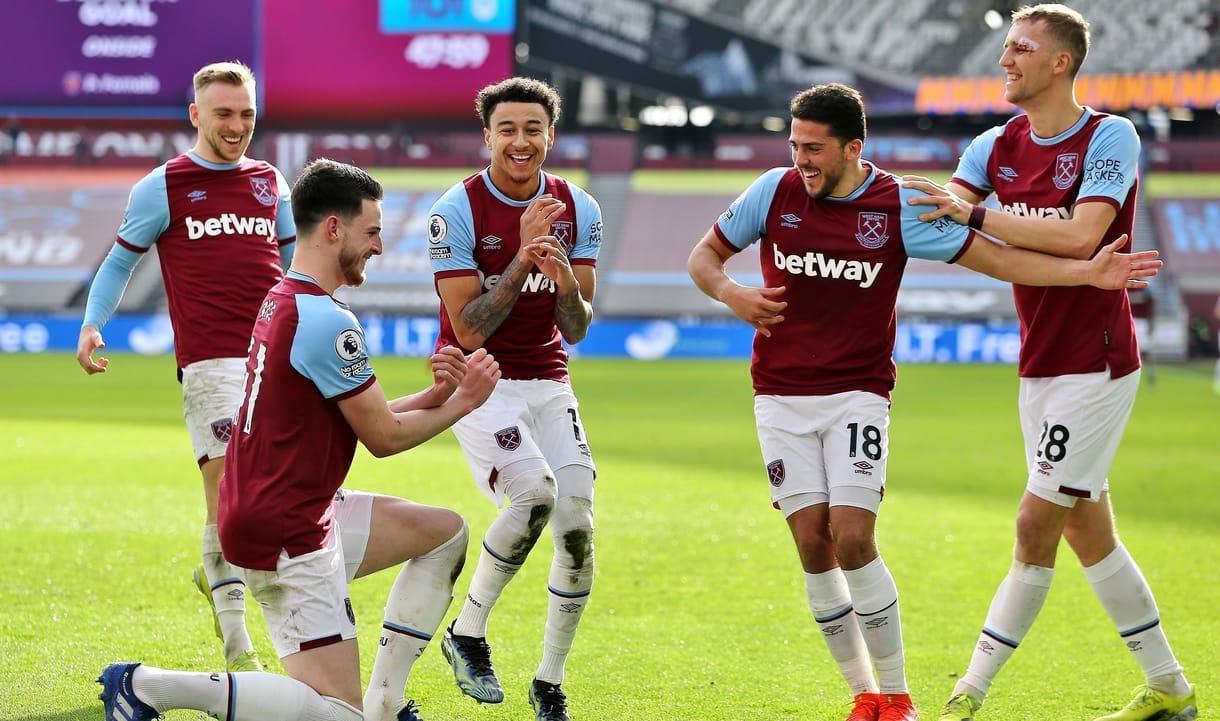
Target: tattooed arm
x,y
475,315
574,307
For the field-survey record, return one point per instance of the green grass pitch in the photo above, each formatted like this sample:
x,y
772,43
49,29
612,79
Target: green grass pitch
x,y
698,609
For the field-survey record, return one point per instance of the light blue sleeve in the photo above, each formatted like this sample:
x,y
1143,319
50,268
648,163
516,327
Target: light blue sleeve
x,y
589,217
972,167
941,239
285,223
1111,163
329,347
745,221
144,220
147,214
451,232
108,285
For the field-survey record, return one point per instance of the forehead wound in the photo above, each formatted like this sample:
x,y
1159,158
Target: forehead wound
x,y
1026,43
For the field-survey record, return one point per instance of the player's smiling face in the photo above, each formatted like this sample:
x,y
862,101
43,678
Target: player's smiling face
x,y
224,115
823,159
1028,61
519,136
361,241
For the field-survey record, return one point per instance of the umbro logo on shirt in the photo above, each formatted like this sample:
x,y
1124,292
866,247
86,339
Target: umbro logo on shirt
x,y
1007,173
197,195
790,220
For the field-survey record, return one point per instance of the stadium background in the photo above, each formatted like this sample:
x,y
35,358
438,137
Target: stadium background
x,y
670,109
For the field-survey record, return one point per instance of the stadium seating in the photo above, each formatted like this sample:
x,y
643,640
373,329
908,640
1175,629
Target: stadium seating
x,y
911,38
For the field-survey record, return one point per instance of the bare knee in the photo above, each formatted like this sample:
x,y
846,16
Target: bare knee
x,y
1091,536
854,545
814,545
451,523
1038,533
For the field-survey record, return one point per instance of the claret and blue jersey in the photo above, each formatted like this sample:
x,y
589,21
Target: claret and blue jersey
x,y
841,260
474,230
208,221
1095,160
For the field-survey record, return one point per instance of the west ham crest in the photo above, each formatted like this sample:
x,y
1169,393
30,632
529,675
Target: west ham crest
x,y
872,229
775,472
562,230
1067,167
223,429
264,191
509,438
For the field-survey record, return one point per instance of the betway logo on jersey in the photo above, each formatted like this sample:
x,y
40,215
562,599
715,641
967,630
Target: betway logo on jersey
x,y
230,224
1023,209
534,283
816,265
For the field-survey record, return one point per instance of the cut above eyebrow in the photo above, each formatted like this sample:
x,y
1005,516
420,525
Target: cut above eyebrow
x,y
1024,43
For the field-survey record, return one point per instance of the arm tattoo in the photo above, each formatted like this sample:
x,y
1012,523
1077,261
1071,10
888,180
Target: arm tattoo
x,y
573,315
484,314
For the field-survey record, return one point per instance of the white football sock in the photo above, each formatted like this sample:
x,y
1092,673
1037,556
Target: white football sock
x,y
228,594
569,583
830,602
1124,593
414,608
253,696
1013,610
506,545
875,598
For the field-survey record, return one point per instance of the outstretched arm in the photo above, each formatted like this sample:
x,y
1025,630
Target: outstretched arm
x,y
448,370
1076,236
1109,269
386,431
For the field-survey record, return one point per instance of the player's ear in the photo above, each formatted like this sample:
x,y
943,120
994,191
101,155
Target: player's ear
x,y
1063,62
853,149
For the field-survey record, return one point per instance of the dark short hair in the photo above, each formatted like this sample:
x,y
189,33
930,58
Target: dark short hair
x,y
517,90
833,104
327,187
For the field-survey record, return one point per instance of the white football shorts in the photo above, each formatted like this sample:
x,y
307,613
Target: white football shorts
x,y
211,393
1072,427
523,420
305,601
824,449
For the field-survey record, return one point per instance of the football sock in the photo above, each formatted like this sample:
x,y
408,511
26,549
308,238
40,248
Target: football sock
x,y
228,594
1013,610
249,696
875,598
507,544
414,608
1123,592
830,602
569,583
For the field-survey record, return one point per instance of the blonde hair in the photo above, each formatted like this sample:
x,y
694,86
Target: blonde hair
x,y
1067,27
231,72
